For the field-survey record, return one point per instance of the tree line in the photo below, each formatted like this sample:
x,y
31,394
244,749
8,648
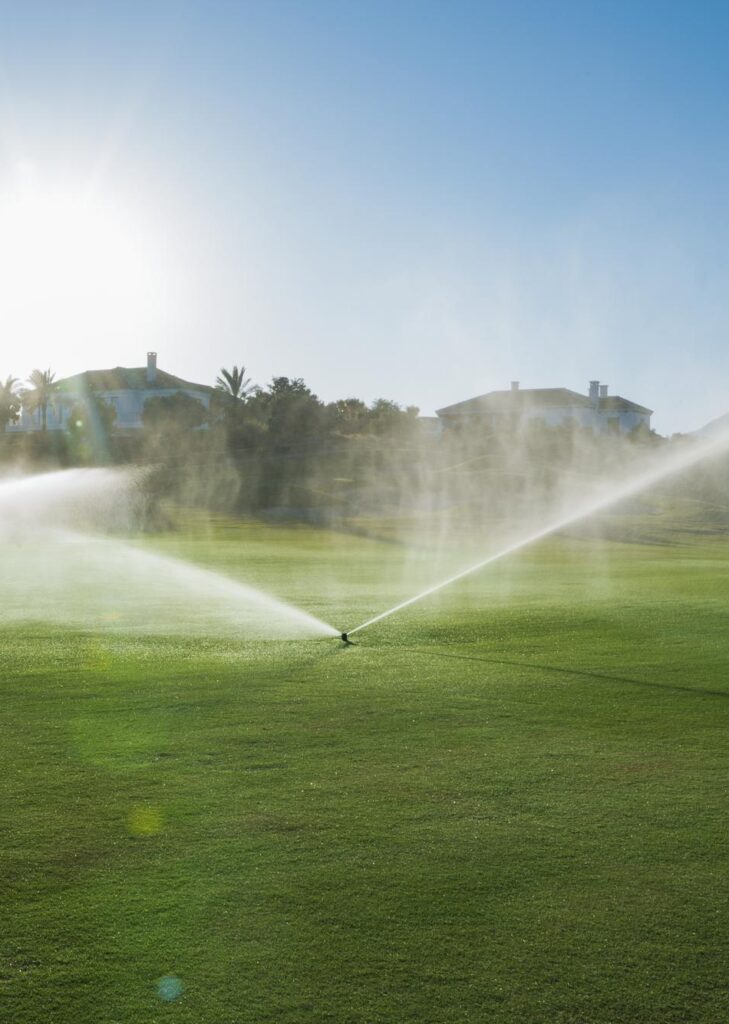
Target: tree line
x,y
279,402
277,447
42,385
251,446
282,450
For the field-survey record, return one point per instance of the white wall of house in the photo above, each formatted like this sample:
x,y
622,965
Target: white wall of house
x,y
557,416
56,418
128,404
629,419
599,421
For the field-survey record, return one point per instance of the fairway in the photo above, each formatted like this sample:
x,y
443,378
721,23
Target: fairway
x,y
506,804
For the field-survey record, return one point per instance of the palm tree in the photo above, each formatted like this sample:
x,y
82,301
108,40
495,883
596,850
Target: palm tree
x,y
9,401
44,384
233,382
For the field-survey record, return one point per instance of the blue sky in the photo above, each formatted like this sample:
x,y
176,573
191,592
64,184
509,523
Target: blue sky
x,y
416,200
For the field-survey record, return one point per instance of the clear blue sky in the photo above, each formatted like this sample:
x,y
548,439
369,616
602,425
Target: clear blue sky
x,y
413,200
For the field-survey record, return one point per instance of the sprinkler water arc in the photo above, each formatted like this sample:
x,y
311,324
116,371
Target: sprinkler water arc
x,y
611,494
63,563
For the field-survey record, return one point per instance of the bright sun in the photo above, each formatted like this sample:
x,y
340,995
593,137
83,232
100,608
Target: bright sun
x,y
73,264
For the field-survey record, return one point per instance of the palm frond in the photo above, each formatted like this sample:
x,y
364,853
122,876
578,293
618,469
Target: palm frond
x,y
234,383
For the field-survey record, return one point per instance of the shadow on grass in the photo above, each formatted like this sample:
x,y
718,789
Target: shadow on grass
x,y
602,677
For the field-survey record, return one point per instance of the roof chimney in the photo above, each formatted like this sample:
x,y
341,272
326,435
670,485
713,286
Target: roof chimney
x,y
594,389
603,390
151,367
515,385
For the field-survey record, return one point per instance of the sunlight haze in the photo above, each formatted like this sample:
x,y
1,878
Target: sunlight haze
x,y
408,201
364,511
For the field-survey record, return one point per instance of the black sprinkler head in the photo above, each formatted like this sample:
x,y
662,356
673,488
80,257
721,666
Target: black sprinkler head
x,y
346,639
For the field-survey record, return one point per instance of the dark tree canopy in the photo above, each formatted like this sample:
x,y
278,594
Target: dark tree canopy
x,y
178,412
9,401
43,386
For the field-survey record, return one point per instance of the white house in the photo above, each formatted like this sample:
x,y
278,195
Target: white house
x,y
553,407
125,388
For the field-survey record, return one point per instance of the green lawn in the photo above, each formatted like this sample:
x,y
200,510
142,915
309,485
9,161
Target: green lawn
x,y
507,804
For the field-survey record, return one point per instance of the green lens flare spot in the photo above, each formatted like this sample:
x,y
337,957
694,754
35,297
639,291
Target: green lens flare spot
x,y
169,988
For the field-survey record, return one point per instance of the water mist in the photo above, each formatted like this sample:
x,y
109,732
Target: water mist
x,y
59,567
601,496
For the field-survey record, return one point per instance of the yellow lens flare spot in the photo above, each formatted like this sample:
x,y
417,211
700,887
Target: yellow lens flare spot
x,y
145,821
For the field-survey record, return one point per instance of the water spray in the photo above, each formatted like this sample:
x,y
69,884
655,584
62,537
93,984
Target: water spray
x,y
608,495
56,570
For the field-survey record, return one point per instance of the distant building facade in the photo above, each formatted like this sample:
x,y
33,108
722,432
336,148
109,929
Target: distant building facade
x,y
126,389
500,411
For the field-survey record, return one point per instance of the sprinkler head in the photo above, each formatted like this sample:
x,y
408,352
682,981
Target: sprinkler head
x,y
346,639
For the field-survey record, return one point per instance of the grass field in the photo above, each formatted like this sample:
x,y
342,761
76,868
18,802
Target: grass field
x,y
507,804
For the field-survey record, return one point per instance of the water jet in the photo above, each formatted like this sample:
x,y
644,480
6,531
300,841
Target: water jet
x,y
55,569
607,494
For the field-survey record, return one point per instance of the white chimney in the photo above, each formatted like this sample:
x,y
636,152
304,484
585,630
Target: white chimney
x,y
603,390
594,389
151,367
515,385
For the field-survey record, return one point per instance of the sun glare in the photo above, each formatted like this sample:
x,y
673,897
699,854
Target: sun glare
x,y
74,263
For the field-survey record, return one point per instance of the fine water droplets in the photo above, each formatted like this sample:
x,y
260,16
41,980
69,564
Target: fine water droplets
x,y
58,567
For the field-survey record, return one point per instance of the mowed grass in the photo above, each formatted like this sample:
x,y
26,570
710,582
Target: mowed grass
x,y
507,804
